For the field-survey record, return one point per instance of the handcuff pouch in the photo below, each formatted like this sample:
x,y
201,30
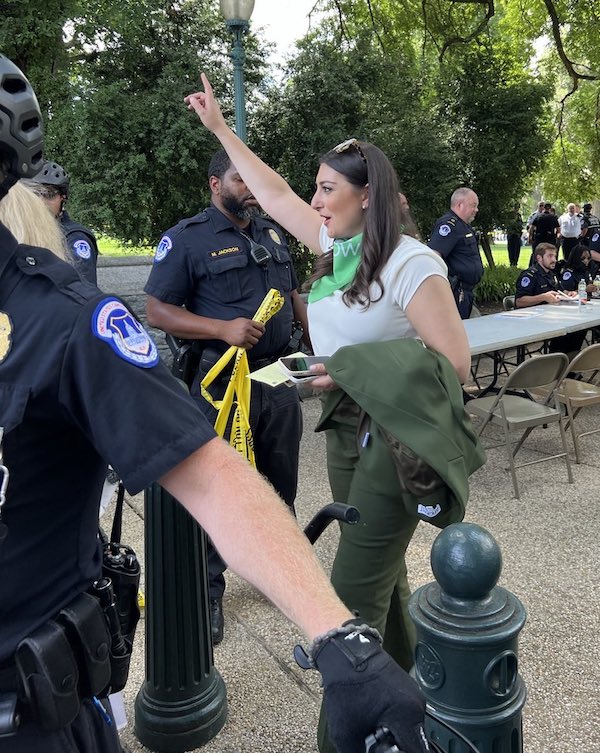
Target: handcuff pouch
x,y
85,626
48,676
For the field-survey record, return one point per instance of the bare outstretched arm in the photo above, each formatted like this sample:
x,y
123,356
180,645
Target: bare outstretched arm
x,y
270,189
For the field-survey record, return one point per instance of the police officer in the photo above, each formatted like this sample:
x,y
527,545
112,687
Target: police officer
x,y
543,229
210,274
52,184
591,236
538,285
577,268
52,369
455,241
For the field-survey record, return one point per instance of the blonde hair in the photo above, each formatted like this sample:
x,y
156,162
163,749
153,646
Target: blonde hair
x,y
30,221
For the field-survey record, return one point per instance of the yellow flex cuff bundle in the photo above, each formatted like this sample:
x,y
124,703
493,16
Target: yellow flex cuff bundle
x,y
237,394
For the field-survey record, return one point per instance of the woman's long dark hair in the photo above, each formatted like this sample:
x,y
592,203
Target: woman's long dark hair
x,y
574,261
361,164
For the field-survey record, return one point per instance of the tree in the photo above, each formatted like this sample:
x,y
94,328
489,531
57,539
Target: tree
x,y
137,158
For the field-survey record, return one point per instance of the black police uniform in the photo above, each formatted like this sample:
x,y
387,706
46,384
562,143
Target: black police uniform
x,y
535,281
204,263
544,229
81,242
77,374
570,278
456,242
592,238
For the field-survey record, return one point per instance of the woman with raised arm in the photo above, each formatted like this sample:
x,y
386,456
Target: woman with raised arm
x,y
372,283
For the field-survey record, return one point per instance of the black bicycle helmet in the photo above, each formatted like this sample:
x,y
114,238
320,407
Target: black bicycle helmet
x,y
52,174
21,139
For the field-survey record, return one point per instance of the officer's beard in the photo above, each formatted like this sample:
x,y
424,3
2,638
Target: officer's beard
x,y
239,210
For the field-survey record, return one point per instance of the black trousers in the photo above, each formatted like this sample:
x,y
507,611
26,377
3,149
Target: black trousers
x,y
513,242
276,424
89,733
567,245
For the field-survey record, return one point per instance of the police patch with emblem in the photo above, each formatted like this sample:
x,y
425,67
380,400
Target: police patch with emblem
x,y
164,246
444,230
567,275
595,237
82,249
525,282
114,324
5,335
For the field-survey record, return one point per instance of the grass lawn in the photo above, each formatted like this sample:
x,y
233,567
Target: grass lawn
x,y
112,247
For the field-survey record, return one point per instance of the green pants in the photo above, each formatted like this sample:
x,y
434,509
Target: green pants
x,y
369,571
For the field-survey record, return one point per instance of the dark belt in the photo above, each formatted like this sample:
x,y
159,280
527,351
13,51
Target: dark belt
x,y
260,363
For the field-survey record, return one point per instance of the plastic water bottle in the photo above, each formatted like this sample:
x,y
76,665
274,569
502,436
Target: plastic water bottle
x,y
581,291
596,293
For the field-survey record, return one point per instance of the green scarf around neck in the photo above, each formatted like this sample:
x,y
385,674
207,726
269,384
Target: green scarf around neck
x,y
346,258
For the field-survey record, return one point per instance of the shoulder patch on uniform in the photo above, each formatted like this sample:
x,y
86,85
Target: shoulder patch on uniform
x,y
567,275
164,246
595,237
82,249
444,230
113,323
525,281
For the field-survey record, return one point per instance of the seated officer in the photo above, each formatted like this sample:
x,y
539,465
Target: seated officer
x,y
577,268
537,285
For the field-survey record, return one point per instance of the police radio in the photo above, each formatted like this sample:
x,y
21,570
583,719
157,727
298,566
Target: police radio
x,y
121,565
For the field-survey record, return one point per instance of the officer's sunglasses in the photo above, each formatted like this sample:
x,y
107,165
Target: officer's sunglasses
x,y
350,144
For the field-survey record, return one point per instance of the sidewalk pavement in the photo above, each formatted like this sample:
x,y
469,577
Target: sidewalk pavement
x,y
549,542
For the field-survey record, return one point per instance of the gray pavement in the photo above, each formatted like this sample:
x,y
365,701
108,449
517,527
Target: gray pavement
x,y
549,542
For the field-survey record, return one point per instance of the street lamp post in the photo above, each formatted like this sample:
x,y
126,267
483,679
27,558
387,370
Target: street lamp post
x,y
237,14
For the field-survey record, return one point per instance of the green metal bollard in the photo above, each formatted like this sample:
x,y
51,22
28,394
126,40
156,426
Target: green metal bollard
x,y
466,655
183,702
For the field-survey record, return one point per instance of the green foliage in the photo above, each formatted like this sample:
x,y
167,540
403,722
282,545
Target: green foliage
x,y
496,282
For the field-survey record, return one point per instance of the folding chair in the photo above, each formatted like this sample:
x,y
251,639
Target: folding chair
x,y
513,412
576,394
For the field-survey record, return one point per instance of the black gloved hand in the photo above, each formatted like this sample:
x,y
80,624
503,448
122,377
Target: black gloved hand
x,y
365,690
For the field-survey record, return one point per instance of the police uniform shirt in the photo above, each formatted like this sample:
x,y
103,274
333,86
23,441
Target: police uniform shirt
x,y
570,278
81,242
456,242
81,386
204,263
592,237
534,281
544,227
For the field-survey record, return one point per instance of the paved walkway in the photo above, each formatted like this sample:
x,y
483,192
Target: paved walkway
x,y
549,542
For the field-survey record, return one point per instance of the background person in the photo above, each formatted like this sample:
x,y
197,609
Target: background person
x,y
570,229
543,229
370,283
514,230
52,184
456,242
206,284
52,369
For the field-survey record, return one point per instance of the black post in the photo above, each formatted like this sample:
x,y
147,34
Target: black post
x,y
183,702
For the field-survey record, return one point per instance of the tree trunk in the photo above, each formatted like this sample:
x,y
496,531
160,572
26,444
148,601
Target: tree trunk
x,y
487,249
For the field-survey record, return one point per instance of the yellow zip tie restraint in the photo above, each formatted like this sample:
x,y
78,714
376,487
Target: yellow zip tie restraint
x,y
237,394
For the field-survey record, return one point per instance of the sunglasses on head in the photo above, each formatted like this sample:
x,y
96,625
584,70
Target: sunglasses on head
x,y
350,144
